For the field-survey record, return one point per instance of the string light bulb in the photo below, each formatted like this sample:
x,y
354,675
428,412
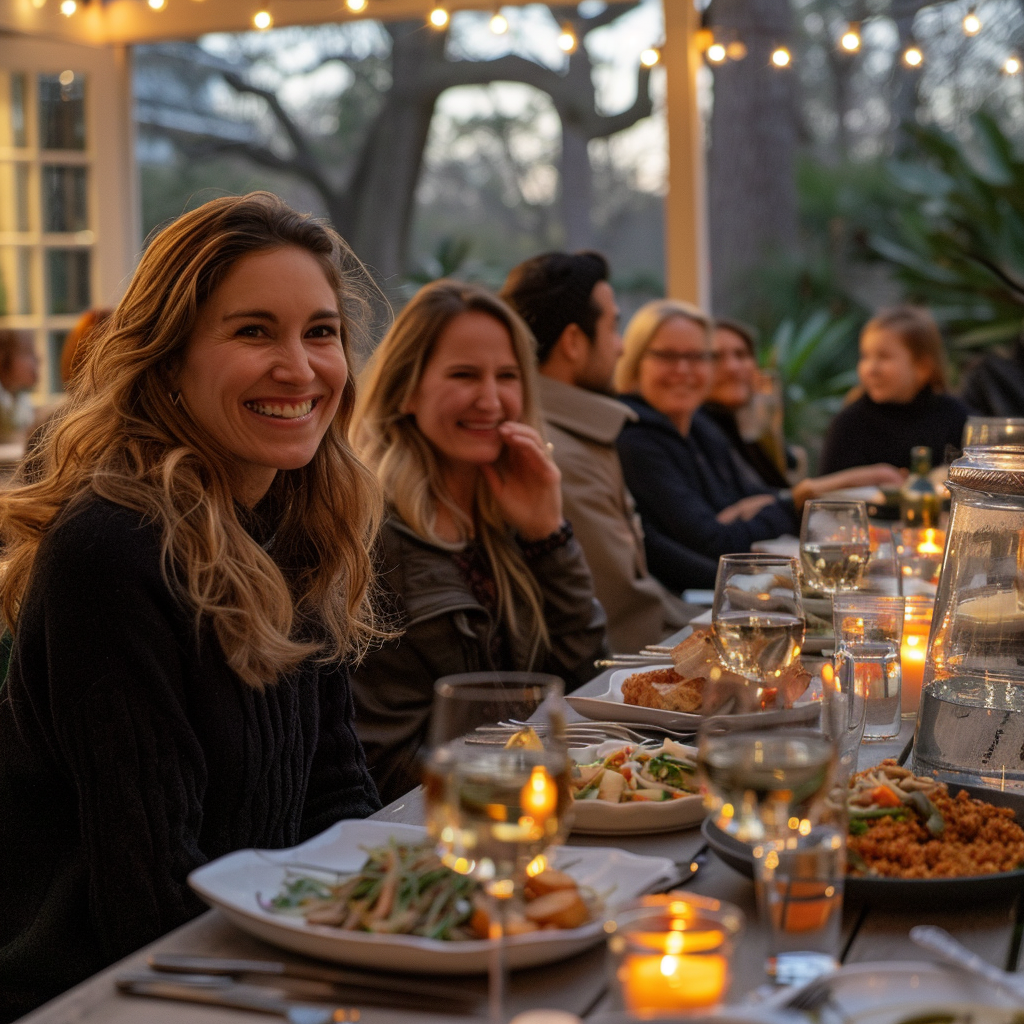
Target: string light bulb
x,y
499,23
1011,66
66,78
716,53
262,20
356,6
781,57
157,5
971,23
567,41
850,39
736,50
913,57
38,4
650,57
68,7
438,17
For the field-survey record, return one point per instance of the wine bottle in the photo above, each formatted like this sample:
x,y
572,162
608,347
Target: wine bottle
x,y
920,504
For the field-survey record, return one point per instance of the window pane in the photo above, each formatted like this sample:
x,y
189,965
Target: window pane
x,y
14,197
67,281
64,199
62,111
55,349
12,110
15,280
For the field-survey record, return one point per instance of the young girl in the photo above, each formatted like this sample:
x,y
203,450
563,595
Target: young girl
x,y
905,404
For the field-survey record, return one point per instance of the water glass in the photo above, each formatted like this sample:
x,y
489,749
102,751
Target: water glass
x,y
671,957
834,544
843,714
869,631
799,880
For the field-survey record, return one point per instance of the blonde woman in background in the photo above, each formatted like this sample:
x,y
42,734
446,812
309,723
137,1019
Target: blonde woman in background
x,y
482,569
185,580
696,496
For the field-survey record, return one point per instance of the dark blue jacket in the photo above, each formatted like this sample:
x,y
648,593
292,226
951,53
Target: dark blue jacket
x,y
680,484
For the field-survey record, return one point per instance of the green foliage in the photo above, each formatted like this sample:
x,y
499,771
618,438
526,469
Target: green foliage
x,y
956,233
815,359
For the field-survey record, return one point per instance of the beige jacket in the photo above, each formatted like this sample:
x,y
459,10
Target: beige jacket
x,y
583,426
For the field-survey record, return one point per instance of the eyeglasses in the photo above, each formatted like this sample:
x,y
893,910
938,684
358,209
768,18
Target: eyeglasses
x,y
669,358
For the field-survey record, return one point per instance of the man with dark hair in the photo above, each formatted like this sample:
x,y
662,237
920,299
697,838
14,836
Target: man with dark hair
x,y
568,303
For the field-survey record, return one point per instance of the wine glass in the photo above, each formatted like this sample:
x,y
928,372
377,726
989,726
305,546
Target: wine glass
x,y
757,619
835,544
493,812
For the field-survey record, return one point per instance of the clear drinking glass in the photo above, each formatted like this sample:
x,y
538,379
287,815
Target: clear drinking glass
x,y
843,713
869,631
494,812
834,544
799,880
757,619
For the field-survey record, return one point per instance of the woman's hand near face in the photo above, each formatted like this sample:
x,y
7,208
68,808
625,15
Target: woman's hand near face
x,y
528,488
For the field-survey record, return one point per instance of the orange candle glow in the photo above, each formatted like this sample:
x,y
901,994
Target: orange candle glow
x,y
682,981
917,623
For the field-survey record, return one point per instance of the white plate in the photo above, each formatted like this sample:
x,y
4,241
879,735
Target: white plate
x,y
603,818
233,884
609,707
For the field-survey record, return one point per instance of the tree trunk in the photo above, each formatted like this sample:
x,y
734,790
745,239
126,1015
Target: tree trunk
x,y
752,188
575,177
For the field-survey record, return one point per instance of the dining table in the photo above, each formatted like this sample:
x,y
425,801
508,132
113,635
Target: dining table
x,y
872,932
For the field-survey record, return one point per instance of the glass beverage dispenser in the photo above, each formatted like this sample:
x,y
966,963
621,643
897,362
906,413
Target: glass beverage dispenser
x,y
970,726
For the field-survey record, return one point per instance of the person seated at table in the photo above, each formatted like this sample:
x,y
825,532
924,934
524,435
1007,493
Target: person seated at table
x,y
733,385
697,498
902,369
185,584
569,305
19,374
482,568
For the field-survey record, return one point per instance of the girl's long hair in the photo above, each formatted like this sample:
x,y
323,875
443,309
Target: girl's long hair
x,y
125,438
389,441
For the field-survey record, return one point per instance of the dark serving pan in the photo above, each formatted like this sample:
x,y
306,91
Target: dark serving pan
x,y
902,892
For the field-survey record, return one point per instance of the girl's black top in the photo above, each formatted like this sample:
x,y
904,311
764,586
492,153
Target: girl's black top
x,y
130,754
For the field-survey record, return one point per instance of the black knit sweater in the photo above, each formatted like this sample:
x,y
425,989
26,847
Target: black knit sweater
x,y
130,754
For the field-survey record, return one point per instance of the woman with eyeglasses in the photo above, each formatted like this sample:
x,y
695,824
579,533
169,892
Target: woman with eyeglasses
x,y
697,497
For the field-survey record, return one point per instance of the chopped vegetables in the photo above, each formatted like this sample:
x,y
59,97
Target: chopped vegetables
x,y
403,889
634,773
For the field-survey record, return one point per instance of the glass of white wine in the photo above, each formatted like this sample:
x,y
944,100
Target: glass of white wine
x,y
835,544
494,812
757,619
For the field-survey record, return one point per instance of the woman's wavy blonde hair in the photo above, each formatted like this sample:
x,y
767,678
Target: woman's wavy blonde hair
x,y
123,437
640,332
389,441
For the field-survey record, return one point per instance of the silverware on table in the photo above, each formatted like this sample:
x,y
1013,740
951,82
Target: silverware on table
x,y
688,870
942,945
220,991
374,986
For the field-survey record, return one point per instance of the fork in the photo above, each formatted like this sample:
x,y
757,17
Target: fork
x,y
615,730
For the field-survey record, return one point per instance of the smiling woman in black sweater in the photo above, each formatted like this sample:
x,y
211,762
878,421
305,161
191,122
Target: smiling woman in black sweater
x,y
185,582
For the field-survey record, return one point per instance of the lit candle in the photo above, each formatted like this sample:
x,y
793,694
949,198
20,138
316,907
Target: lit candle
x,y
917,623
673,981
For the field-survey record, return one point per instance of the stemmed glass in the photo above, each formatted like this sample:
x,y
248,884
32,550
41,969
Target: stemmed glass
x,y
757,619
494,812
835,544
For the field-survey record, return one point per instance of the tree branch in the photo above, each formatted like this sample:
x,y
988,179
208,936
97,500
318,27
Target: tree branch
x,y
510,68
600,126
566,12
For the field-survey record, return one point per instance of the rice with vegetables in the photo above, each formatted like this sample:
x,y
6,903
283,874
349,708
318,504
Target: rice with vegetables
x,y
904,826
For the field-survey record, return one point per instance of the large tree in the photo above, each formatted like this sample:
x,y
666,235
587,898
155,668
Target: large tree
x,y
369,189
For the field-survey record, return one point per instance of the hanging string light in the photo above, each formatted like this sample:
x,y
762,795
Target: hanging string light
x,y
157,5
262,20
736,50
850,39
781,57
716,53
438,17
68,7
567,41
499,23
1011,66
913,57
971,23
650,57
356,6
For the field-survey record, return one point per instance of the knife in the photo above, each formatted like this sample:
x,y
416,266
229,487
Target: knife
x,y
392,985
236,996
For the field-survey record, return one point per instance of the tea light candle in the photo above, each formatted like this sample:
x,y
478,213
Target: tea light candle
x,y
684,974
917,623
673,982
